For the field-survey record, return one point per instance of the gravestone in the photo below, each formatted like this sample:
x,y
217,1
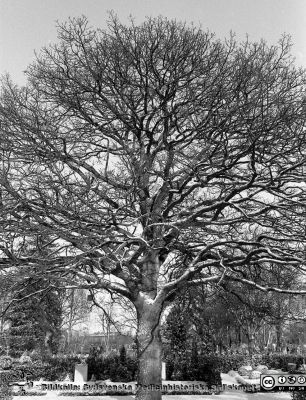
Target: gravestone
x,y
80,372
67,378
163,373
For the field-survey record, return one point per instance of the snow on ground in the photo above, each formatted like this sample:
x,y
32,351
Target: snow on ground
x,y
223,396
226,395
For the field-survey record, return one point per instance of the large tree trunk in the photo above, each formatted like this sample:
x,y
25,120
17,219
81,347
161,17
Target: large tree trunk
x,y
149,348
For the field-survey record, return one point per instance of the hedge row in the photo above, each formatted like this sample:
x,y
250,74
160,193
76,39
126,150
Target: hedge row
x,y
209,366
281,361
226,363
5,392
205,368
51,369
5,389
299,395
117,368
121,368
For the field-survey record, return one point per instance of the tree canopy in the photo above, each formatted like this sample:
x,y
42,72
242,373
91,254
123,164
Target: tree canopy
x,y
155,156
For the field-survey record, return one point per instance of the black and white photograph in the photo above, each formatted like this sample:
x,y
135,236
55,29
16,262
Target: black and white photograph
x,y
153,199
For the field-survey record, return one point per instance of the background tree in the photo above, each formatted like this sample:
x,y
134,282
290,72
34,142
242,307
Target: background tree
x,y
249,308
75,310
231,315
176,334
5,297
282,309
156,157
113,315
35,318
32,311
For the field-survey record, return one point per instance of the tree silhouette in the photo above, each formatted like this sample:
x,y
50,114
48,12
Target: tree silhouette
x,y
156,157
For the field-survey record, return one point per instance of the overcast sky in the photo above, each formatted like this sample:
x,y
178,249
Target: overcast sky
x,y
27,25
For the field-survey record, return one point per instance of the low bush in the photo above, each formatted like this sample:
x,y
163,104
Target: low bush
x,y
244,370
210,365
5,392
262,368
281,361
233,373
32,371
210,370
117,368
230,362
299,395
60,366
54,368
8,376
6,362
254,375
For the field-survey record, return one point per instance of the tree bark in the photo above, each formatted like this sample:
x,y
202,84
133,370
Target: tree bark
x,y
149,349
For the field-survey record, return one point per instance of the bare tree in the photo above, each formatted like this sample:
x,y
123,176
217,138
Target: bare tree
x,y
76,310
115,313
114,316
156,157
